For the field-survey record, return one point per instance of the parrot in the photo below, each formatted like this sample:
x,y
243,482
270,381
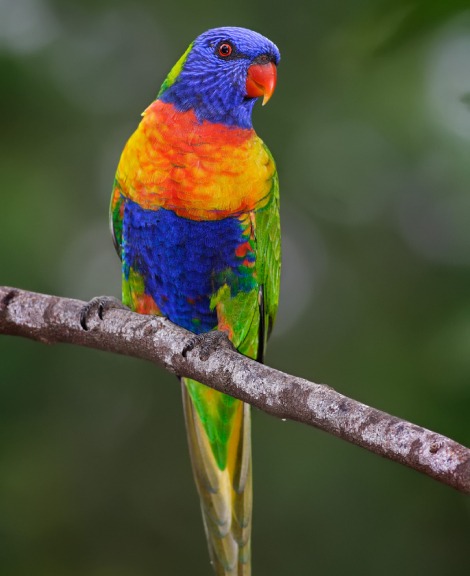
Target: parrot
x,y
195,219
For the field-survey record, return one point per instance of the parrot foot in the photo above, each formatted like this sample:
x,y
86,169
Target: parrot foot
x,y
208,343
98,306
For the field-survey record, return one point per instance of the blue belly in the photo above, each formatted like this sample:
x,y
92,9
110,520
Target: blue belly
x,y
184,262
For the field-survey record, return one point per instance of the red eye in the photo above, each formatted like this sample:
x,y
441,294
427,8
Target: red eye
x,y
225,50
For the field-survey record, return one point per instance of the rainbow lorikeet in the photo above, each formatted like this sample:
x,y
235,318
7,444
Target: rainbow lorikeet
x,y
195,219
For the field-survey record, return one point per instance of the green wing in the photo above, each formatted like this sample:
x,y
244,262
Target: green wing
x,y
268,264
116,212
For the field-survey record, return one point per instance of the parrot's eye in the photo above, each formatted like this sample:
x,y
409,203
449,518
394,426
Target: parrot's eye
x,y
225,49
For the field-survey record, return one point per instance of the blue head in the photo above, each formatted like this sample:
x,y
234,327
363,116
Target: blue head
x,y
222,74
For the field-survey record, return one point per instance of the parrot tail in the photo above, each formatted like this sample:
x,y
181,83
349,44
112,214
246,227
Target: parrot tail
x,y
219,437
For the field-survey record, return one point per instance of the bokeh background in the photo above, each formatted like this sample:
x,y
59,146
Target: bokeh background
x,y
370,127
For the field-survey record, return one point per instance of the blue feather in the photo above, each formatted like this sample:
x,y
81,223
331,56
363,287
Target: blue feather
x,y
184,262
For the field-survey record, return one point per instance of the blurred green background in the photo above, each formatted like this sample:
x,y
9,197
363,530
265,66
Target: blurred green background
x,y
370,127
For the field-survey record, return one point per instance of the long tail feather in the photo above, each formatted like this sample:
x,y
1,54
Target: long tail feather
x,y
225,491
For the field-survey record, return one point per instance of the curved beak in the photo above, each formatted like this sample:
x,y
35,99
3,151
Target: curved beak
x,y
261,81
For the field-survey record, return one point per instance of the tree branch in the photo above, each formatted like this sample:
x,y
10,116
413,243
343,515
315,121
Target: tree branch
x,y
51,319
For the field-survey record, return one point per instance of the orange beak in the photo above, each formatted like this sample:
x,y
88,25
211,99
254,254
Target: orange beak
x,y
261,81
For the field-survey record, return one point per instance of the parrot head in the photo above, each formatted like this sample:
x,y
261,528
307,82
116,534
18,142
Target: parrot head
x,y
222,74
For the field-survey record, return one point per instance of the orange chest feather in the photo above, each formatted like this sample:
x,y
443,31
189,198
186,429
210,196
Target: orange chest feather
x,y
201,171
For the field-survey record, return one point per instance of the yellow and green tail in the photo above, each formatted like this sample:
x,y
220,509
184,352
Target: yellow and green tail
x,y
219,437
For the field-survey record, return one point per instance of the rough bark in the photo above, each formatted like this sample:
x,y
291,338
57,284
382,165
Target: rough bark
x,y
50,319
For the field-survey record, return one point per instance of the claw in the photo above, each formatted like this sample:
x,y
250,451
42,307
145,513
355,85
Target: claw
x,y
98,305
208,342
